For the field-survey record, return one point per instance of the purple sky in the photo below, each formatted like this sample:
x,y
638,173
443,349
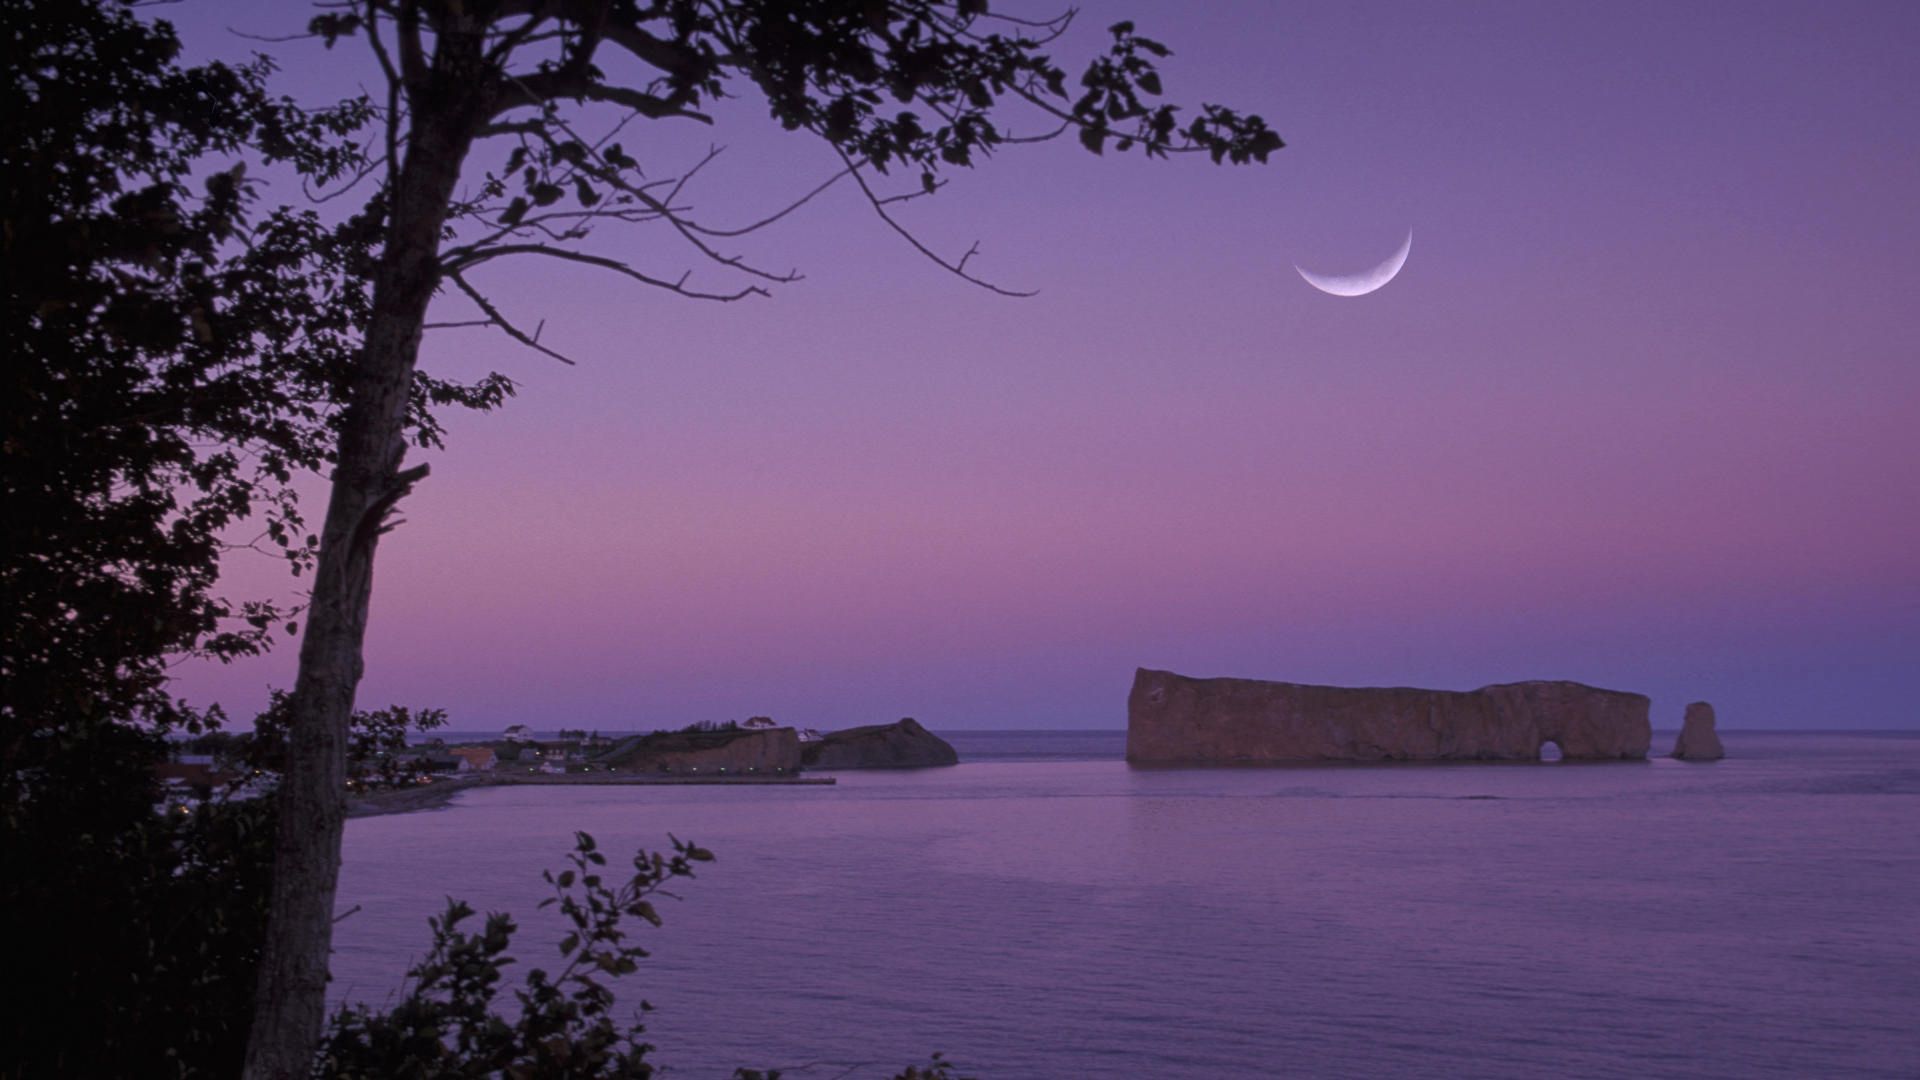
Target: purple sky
x,y
1642,410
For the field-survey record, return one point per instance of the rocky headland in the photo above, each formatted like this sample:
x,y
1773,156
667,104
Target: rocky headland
x,y
730,750
1176,720
901,745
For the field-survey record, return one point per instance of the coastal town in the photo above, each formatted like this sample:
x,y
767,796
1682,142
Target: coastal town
x,y
407,776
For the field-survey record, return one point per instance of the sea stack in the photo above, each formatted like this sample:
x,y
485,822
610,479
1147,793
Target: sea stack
x,y
1177,721
1698,741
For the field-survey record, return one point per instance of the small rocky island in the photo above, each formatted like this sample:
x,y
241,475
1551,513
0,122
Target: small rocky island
x,y
1698,740
1176,720
901,745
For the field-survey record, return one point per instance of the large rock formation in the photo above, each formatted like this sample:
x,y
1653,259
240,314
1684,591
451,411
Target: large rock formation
x,y
1698,741
1175,720
727,750
905,745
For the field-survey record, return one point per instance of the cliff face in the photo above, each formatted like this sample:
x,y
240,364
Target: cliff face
x,y
769,750
905,745
1175,720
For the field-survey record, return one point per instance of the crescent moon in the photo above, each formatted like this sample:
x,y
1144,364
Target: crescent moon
x,y
1364,282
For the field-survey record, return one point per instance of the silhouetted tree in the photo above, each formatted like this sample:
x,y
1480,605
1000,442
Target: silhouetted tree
x,y
163,381
172,360
897,88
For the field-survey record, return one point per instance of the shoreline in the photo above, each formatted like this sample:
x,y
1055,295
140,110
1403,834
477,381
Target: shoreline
x,y
437,795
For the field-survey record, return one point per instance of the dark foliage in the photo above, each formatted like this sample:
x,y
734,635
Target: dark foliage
x,y
379,743
173,359
147,402
133,935
450,1024
141,422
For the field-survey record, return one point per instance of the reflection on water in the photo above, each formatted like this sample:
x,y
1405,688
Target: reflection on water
x,y
1045,911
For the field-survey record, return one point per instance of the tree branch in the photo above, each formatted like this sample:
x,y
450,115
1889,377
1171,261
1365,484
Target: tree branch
x,y
681,63
413,62
610,175
957,269
573,82
499,320
498,251
769,219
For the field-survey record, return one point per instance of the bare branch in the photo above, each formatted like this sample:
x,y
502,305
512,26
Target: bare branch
x,y
391,121
909,196
380,51
1017,140
958,269
1051,30
777,215
499,320
499,251
680,184
271,39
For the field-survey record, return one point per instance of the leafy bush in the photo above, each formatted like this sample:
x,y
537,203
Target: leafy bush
x,y
447,1026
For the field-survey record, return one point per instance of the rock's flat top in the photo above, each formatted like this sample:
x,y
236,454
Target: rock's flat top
x,y
1698,741
902,745
1176,720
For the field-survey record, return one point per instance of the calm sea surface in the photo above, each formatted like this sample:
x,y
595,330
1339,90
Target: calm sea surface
x,y
1044,911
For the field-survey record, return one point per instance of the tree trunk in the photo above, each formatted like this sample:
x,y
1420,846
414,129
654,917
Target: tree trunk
x,y
290,1001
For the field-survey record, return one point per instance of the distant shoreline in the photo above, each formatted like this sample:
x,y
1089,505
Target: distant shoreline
x,y
439,794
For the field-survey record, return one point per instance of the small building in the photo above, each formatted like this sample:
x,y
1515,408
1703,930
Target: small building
x,y
517,733
810,735
474,758
560,748
759,723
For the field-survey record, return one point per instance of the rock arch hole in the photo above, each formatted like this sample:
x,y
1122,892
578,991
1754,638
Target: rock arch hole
x,y
1550,751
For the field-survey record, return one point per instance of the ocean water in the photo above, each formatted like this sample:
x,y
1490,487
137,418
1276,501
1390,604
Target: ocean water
x,y
1042,910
